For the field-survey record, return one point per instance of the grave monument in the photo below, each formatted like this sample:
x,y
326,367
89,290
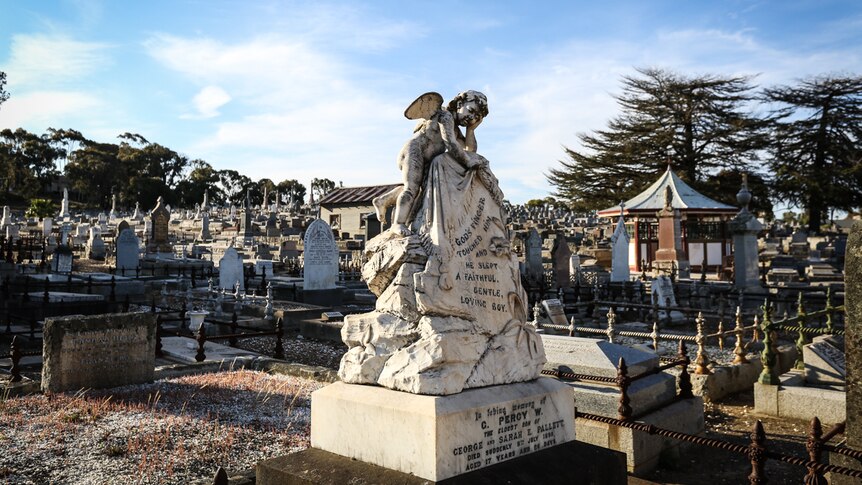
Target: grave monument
x,y
320,265
745,228
160,218
853,352
450,328
620,250
670,256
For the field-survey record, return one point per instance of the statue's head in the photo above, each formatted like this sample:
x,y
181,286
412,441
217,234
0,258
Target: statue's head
x,y
469,107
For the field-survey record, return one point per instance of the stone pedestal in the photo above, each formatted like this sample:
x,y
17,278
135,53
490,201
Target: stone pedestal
x,y
745,228
670,252
439,437
572,462
852,349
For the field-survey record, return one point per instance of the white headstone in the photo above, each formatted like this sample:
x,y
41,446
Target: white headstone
x,y
47,226
320,257
662,290
64,206
128,250
7,216
575,265
263,267
556,312
230,270
205,235
620,251
11,232
95,245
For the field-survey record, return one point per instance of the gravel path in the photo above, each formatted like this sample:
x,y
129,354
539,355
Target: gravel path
x,y
171,431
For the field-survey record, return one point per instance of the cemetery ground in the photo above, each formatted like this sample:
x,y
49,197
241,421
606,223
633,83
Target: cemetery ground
x,y
181,429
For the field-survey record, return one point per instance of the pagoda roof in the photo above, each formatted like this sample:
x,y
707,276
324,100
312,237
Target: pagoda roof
x,y
685,198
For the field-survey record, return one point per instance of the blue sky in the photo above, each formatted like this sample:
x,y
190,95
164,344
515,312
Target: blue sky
x,y
317,89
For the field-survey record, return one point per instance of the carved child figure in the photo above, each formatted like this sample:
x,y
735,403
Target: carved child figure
x,y
438,132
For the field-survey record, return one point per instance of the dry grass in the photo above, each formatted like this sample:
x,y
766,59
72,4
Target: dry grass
x,y
171,431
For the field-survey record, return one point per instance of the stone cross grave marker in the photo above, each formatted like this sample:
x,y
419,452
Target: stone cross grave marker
x,y
320,257
98,351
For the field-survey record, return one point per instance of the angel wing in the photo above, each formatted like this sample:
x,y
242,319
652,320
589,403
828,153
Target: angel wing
x,y
424,106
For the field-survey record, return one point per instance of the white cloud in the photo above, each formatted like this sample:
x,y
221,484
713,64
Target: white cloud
x,y
208,100
299,111
41,60
45,108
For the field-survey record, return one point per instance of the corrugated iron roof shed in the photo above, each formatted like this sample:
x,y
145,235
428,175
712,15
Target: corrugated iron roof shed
x,y
356,195
684,198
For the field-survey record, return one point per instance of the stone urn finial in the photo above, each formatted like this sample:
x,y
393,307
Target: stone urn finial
x,y
743,197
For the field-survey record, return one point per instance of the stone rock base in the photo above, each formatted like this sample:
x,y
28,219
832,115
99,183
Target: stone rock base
x,y
644,451
439,437
330,298
565,464
791,399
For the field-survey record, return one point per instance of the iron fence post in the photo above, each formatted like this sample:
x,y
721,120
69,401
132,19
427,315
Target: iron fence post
x,y
701,360
738,349
159,352
623,382
757,455
769,375
814,446
200,356
279,333
220,477
16,358
800,338
684,377
233,328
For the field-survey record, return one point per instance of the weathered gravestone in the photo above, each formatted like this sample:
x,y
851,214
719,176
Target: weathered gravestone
x,y
662,292
123,225
824,361
533,257
98,351
561,255
620,251
319,257
555,311
62,260
230,271
160,218
128,255
96,249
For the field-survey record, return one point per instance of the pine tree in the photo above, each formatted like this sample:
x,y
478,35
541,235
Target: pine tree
x,y
816,149
698,123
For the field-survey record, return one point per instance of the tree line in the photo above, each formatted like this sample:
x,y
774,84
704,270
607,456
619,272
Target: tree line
x,y
134,169
799,143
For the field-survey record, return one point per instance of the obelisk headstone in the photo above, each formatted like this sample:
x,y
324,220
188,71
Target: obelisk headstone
x,y
620,250
670,252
